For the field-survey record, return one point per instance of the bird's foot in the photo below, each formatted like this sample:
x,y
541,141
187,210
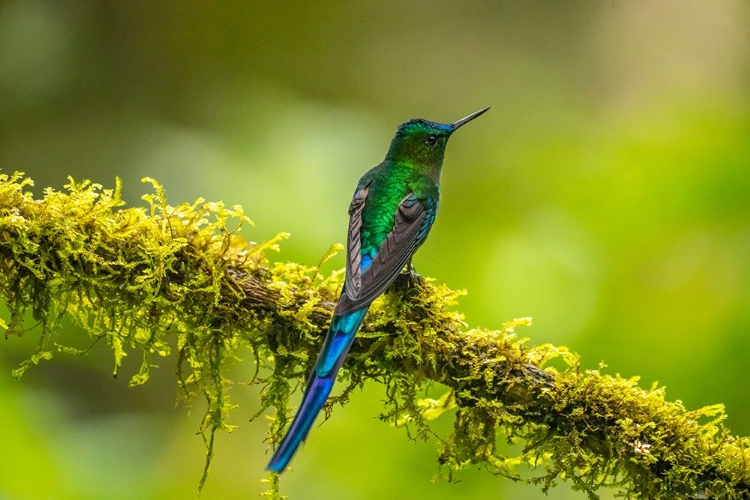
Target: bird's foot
x,y
408,279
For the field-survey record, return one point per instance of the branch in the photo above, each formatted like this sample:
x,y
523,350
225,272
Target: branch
x,y
165,279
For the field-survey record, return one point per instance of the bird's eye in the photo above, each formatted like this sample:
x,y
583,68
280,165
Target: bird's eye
x,y
431,140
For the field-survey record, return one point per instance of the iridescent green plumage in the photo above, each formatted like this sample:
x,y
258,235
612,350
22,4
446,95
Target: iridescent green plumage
x,y
390,216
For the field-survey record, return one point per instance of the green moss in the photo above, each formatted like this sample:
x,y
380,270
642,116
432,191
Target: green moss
x,y
165,281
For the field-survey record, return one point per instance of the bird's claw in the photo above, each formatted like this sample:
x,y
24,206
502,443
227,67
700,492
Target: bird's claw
x,y
408,279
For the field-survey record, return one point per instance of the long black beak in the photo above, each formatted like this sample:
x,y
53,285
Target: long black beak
x,y
467,119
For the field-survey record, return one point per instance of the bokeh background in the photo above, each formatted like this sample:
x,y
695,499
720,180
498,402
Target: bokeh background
x,y
606,194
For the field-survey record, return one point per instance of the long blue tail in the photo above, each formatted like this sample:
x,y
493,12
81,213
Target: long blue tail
x,y
336,346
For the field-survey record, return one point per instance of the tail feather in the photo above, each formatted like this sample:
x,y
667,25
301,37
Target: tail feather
x,y
335,348
318,389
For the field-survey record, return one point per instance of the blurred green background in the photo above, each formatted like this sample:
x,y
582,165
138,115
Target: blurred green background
x,y
606,194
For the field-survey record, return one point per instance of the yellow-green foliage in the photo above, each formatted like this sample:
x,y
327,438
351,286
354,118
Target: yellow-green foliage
x,y
178,281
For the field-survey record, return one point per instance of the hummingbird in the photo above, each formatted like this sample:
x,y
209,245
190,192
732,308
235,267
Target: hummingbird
x,y
390,216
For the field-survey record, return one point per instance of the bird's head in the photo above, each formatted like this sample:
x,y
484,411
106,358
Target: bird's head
x,y
423,142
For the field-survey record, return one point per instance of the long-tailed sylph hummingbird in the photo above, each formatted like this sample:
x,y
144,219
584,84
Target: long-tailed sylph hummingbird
x,y
392,211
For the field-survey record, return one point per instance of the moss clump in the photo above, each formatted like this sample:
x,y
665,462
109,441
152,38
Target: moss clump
x,y
149,280
179,281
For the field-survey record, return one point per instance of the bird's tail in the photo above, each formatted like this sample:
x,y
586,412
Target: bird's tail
x,y
336,346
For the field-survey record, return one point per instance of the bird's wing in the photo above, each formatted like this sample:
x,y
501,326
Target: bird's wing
x,y
354,244
413,220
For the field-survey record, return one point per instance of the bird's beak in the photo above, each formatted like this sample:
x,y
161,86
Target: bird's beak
x,y
467,119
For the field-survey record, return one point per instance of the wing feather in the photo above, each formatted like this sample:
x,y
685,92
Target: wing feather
x,y
412,222
354,244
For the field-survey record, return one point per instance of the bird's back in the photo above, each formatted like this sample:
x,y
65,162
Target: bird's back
x,y
388,184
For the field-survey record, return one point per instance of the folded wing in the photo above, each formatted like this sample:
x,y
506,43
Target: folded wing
x,y
412,222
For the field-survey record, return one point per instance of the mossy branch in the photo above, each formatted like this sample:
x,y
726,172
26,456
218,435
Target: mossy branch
x,y
166,279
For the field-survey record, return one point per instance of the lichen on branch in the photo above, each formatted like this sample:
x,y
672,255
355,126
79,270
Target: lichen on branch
x,y
178,281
